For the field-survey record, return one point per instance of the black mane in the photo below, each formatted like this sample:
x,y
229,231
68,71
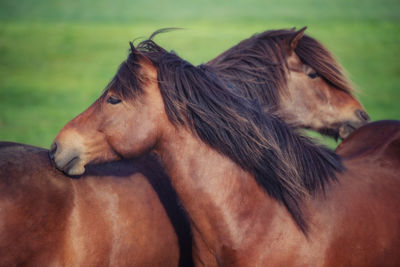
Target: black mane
x,y
287,165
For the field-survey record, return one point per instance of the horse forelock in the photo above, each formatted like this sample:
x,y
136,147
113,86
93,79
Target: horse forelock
x,y
288,166
127,82
313,53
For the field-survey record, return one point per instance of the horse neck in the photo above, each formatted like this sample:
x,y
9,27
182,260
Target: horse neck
x,y
227,209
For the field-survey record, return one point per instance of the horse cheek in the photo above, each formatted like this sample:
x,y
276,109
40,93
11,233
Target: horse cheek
x,y
134,141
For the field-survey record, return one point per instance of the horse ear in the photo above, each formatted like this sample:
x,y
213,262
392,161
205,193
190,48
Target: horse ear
x,y
296,38
133,50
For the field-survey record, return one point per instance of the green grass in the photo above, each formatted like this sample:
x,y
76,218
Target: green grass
x,y
57,56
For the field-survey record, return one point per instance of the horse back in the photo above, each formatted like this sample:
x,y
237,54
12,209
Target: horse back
x,y
376,140
364,207
33,206
117,214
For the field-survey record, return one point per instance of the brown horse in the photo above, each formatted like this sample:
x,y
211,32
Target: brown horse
x,y
257,193
116,215
244,55
296,76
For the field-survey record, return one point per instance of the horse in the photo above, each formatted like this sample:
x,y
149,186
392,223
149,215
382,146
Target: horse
x,y
240,54
119,214
295,76
255,190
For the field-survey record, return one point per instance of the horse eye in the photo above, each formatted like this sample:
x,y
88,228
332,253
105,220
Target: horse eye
x,y
113,100
313,75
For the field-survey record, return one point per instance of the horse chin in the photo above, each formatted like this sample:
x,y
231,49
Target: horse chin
x,y
348,127
330,132
345,130
71,166
75,170
341,131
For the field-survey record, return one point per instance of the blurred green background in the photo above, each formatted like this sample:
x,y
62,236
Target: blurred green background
x,y
57,56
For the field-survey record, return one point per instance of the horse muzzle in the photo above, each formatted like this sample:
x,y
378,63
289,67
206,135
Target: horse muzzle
x,y
350,126
67,161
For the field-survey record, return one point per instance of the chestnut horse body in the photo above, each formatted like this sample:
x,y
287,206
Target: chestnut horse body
x,y
116,215
256,192
279,96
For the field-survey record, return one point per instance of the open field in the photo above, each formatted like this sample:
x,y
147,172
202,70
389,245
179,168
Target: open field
x,y
57,56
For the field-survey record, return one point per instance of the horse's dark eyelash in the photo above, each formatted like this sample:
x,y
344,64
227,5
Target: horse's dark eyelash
x,y
112,100
313,75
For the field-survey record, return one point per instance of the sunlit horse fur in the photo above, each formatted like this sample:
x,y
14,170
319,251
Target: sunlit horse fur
x,y
233,165
295,75
118,214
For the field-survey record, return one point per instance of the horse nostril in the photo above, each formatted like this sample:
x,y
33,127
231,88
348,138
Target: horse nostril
x,y
53,150
362,115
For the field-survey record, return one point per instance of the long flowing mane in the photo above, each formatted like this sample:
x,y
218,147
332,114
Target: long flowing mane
x,y
256,66
287,165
